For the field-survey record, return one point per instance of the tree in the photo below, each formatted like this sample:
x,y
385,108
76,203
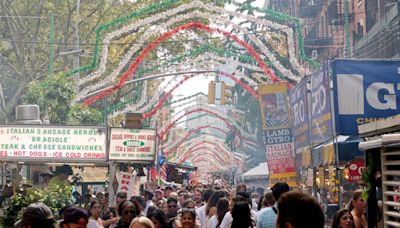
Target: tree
x,y
24,39
54,95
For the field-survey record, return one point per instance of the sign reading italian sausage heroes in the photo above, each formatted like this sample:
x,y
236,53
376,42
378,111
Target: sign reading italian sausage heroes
x,y
45,143
132,144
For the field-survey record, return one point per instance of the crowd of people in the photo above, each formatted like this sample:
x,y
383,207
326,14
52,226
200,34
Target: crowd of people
x,y
211,207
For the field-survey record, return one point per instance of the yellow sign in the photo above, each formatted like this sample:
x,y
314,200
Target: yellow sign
x,y
289,178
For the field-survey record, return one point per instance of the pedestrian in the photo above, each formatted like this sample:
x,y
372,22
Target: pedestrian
x,y
188,218
159,218
95,211
172,208
74,217
227,220
222,208
141,222
46,176
128,210
266,202
358,208
61,177
343,219
211,206
267,218
148,200
201,211
241,215
298,210
37,215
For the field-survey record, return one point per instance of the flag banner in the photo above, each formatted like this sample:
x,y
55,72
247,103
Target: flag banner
x,y
364,91
299,108
274,106
321,124
126,183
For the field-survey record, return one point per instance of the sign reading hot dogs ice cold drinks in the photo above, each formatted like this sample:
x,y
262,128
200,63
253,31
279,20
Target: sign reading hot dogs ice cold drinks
x,y
50,143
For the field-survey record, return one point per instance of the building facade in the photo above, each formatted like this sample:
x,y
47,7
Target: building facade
x,y
346,28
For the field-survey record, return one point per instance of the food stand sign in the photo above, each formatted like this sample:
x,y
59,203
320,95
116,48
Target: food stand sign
x,y
132,145
53,143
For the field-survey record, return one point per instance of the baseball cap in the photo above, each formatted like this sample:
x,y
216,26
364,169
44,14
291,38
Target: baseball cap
x,y
158,191
75,215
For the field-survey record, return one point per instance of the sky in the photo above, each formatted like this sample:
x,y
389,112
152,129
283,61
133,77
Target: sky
x,y
200,83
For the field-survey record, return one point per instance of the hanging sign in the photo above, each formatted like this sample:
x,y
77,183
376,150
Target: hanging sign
x,y
298,101
126,183
310,177
278,134
49,143
355,171
364,91
321,118
132,144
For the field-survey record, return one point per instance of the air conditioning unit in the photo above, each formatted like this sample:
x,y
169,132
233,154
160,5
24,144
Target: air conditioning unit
x,y
314,54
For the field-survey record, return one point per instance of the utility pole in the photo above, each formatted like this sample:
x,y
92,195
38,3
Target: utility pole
x,y
346,27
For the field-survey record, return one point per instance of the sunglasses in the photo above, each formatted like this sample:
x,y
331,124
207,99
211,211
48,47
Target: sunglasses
x,y
127,212
171,206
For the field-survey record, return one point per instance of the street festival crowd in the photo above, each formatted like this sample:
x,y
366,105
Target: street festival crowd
x,y
215,205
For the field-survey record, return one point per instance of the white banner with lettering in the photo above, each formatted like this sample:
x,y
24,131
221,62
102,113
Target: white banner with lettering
x,y
50,143
129,183
132,144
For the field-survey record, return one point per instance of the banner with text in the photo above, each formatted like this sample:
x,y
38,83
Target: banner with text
x,y
132,144
278,135
128,183
298,101
364,91
46,143
321,124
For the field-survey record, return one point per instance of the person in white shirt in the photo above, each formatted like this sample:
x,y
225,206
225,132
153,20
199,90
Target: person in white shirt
x,y
148,198
222,209
201,211
227,220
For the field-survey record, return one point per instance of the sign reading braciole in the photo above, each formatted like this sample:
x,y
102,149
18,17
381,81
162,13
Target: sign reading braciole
x,y
132,144
50,143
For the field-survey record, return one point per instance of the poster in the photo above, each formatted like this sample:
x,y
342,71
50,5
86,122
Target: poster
x,y
299,108
274,106
321,117
53,143
132,144
364,91
277,128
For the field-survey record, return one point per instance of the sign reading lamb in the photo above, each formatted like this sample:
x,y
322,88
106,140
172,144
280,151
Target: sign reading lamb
x,y
45,143
132,144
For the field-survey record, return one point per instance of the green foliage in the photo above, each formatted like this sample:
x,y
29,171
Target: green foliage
x,y
54,94
55,198
81,114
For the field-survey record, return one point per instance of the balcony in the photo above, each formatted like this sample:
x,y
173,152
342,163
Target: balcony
x,y
310,8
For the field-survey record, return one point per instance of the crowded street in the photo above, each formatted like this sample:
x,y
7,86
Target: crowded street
x,y
200,114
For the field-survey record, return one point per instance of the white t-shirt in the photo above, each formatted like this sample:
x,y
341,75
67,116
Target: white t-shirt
x,y
201,214
95,223
227,220
213,222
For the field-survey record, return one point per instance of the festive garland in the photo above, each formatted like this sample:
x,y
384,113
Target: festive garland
x,y
166,35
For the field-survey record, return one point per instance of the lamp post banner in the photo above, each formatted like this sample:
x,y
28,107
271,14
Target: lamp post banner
x,y
364,91
321,117
298,101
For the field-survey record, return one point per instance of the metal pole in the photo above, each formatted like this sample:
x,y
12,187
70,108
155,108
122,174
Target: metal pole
x,y
51,45
346,23
75,61
149,78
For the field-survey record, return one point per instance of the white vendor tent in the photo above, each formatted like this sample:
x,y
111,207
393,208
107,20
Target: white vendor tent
x,y
258,172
